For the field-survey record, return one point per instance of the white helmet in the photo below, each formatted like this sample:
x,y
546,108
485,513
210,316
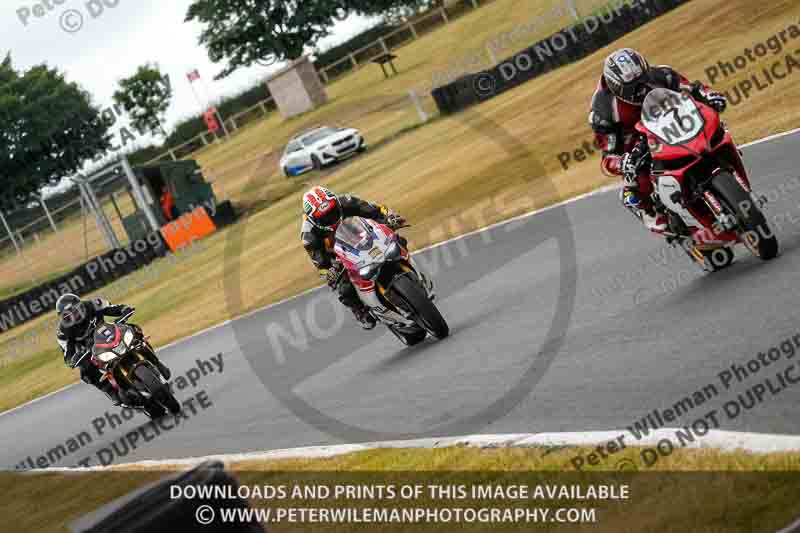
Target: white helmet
x,y
627,73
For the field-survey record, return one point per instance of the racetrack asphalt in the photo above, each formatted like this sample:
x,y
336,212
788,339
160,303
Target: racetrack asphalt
x,y
647,330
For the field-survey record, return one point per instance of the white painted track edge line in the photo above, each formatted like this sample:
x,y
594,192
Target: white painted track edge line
x,y
720,439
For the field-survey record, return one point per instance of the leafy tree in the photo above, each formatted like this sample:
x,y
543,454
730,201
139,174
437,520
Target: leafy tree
x,y
246,32
399,14
145,96
48,130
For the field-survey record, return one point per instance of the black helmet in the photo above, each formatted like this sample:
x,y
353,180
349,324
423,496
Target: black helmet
x,y
627,73
69,309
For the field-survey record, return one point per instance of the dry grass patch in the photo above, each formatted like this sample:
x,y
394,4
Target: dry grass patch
x,y
503,152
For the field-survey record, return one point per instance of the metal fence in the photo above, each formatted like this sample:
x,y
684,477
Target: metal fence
x,y
53,241
61,238
358,59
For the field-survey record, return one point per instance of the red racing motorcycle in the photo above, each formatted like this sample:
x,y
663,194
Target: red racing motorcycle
x,y
700,182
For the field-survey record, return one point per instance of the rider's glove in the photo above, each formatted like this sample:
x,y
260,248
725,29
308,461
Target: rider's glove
x,y
126,310
717,101
394,221
632,164
334,274
711,98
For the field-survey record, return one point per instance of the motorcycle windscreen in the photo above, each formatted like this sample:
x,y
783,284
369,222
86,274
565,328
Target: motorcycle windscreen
x,y
107,337
672,117
356,235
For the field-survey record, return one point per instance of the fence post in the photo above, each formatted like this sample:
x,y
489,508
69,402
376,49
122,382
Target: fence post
x,y
475,4
492,55
263,108
353,60
444,15
83,220
417,104
383,45
413,30
10,233
224,127
172,155
324,74
573,10
47,213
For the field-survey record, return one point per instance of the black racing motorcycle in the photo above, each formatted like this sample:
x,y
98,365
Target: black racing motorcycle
x,y
126,358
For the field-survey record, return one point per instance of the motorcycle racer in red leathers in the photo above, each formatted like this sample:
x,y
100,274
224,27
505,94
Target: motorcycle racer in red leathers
x,y
323,211
617,108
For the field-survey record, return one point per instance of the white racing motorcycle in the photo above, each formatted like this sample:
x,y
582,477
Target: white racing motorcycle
x,y
396,291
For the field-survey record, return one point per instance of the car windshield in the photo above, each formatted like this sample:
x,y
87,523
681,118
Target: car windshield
x,y
356,234
318,135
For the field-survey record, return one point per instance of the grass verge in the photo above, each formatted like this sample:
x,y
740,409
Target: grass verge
x,y
691,490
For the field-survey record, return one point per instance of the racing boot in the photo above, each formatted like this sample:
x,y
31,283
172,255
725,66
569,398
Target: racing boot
x,y
364,317
652,220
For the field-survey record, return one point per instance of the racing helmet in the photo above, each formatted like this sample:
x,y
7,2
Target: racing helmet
x,y
71,312
627,73
322,208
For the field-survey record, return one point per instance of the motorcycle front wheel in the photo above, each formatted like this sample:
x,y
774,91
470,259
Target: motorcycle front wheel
x,y
159,392
426,313
759,238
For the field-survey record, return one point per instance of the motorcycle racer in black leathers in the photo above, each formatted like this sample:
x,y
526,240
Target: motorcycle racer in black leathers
x,y
323,211
75,336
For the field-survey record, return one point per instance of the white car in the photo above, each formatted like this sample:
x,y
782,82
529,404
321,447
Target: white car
x,y
320,147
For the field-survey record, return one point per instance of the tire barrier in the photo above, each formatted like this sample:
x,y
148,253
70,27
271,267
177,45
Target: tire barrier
x,y
561,48
88,277
160,507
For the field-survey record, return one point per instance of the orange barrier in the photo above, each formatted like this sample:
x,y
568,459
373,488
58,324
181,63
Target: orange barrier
x,y
188,228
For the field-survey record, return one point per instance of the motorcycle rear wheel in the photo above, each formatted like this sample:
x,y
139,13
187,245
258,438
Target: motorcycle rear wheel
x,y
759,238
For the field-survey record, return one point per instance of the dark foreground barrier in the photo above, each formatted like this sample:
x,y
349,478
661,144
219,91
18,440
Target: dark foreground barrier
x,y
88,277
155,509
562,48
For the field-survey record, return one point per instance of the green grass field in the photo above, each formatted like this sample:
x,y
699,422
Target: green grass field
x,y
487,164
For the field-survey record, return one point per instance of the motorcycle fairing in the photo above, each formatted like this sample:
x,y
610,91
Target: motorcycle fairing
x,y
107,337
682,133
